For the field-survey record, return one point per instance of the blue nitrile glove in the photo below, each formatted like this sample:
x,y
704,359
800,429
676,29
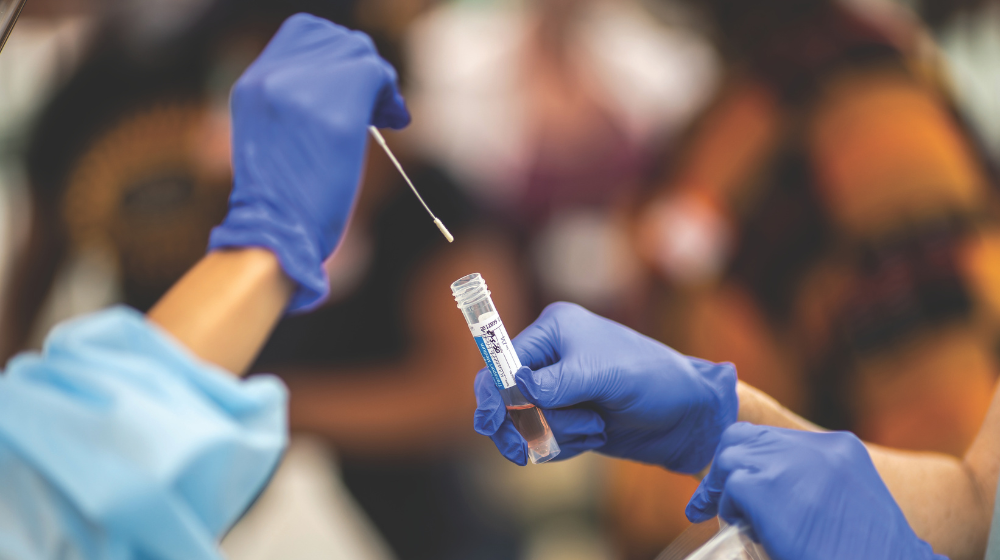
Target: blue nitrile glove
x,y
300,117
807,496
117,444
632,396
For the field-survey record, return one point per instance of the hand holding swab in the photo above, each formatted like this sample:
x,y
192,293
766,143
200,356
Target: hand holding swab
x,y
381,142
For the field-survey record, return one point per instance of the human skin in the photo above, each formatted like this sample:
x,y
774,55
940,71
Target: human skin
x,y
225,307
948,501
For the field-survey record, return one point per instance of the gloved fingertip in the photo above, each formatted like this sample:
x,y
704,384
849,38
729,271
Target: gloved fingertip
x,y
401,115
696,515
527,383
509,443
699,508
390,109
514,451
521,457
486,421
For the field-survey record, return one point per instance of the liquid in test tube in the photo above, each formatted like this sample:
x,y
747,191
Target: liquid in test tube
x,y
494,344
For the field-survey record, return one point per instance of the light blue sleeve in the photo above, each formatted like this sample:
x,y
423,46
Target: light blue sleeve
x,y
117,443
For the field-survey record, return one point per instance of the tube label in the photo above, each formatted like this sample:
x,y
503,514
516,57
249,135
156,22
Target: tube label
x,y
497,351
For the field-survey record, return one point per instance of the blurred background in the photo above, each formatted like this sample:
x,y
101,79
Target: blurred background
x,y
805,188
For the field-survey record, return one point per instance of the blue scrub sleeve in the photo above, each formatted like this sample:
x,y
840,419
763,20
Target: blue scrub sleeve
x,y
117,443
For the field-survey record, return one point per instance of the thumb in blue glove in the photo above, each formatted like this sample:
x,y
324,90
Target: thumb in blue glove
x,y
806,496
300,116
607,388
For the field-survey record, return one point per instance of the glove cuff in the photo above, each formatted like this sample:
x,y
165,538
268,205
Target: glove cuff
x,y
298,252
720,379
926,552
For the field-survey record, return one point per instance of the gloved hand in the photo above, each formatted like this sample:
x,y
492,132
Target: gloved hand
x,y
633,397
807,496
300,115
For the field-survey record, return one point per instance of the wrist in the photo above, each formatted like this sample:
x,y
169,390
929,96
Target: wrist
x,y
757,407
298,252
238,296
718,411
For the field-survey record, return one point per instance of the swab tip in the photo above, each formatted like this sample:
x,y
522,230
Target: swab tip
x,y
444,231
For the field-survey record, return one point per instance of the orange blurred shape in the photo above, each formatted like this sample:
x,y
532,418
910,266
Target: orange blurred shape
x,y
888,153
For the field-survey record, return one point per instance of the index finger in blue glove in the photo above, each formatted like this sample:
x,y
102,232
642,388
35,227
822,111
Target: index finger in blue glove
x,y
538,344
510,443
549,387
540,347
390,108
490,409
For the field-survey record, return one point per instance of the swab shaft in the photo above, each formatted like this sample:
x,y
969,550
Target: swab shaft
x,y
381,142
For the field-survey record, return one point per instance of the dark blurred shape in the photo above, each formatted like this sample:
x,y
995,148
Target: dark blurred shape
x,y
745,29
938,13
902,284
793,43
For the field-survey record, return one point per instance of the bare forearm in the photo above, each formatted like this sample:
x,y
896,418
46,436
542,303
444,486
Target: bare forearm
x,y
942,497
225,307
756,407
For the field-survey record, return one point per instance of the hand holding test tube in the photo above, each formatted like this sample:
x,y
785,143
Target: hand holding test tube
x,y
607,388
494,343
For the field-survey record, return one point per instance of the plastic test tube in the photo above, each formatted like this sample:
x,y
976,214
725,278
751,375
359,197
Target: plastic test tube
x,y
474,300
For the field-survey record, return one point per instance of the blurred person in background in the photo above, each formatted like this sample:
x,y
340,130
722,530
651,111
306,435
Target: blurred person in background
x,y
829,225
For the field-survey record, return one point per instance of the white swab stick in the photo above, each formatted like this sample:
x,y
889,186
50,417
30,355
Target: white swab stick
x,y
381,142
